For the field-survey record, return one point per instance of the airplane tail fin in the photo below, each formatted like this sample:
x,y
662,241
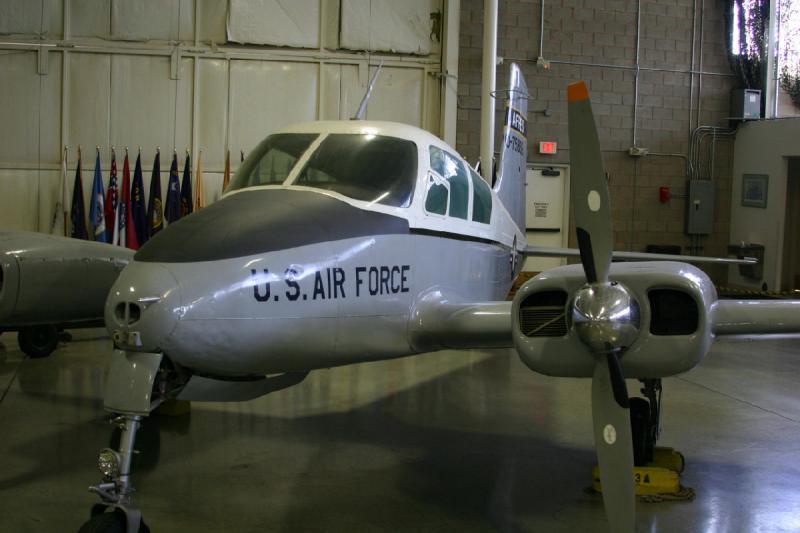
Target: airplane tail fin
x,y
510,185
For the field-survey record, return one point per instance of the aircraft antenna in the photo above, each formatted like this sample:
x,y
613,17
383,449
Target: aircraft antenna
x,y
362,107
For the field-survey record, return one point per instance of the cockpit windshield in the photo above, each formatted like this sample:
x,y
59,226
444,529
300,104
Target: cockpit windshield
x,y
276,156
373,168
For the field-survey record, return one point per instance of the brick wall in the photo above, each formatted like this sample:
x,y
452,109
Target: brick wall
x,y
590,40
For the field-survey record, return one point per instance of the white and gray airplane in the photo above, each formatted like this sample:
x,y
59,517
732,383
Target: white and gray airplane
x,y
350,241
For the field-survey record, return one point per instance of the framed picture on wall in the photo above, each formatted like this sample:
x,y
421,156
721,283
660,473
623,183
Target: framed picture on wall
x,y
754,190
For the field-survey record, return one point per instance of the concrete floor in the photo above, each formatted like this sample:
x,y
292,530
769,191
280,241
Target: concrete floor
x,y
452,441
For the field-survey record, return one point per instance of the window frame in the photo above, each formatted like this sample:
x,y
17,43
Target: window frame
x,y
474,178
433,178
466,171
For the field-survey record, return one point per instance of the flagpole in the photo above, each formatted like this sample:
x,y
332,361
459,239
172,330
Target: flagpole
x,y
64,190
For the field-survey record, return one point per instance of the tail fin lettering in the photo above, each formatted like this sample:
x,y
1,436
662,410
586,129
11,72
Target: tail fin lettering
x,y
510,185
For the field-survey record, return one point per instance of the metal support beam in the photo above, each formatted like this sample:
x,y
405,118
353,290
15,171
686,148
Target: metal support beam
x,y
488,87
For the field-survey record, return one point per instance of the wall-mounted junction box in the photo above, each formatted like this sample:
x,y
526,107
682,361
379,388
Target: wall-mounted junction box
x,y
745,104
699,207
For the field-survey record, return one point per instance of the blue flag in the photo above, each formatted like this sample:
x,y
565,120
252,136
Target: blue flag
x,y
172,211
77,212
138,213
186,188
97,205
155,213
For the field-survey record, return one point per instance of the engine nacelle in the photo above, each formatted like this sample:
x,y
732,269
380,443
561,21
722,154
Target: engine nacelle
x,y
676,329
45,279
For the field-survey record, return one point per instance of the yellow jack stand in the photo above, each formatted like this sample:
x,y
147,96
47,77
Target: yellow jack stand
x,y
659,477
174,408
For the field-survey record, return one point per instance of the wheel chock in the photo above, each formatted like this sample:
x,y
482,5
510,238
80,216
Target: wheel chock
x,y
647,480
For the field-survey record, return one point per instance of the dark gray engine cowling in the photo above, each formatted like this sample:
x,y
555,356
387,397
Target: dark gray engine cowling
x,y
675,332
46,279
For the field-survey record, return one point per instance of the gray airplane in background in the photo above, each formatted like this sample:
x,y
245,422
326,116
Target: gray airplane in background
x,y
349,241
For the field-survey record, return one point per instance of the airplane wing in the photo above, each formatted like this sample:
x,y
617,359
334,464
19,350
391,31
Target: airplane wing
x,y
545,251
46,279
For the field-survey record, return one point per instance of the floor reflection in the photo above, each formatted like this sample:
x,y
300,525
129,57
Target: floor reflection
x,y
448,441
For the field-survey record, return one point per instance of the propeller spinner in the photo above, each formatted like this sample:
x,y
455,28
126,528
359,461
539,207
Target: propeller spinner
x,y
604,314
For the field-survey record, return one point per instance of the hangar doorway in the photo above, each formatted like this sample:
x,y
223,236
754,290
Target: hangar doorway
x,y
790,278
546,213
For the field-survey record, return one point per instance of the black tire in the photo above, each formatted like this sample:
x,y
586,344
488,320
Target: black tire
x,y
38,341
113,522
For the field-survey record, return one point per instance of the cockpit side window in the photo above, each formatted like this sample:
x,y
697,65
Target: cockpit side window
x,y
373,168
450,168
273,160
481,199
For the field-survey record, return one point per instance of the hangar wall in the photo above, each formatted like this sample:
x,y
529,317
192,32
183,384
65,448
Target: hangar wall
x,y
762,147
602,42
197,75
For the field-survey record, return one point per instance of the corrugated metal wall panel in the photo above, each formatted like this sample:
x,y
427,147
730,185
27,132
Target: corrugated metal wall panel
x,y
142,20
212,15
386,25
89,18
19,136
212,106
89,103
18,199
123,93
397,96
27,17
277,22
266,96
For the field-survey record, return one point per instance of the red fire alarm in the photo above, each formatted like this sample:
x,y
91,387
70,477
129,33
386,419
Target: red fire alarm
x,y
548,147
663,194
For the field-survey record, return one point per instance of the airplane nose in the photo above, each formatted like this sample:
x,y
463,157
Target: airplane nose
x,y
143,307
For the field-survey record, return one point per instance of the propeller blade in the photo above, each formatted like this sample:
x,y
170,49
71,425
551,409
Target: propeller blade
x,y
588,187
617,381
614,447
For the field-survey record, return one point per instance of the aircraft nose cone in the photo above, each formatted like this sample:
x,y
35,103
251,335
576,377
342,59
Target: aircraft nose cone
x,y
143,307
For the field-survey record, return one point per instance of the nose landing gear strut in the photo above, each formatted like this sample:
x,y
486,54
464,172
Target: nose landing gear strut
x,y
117,513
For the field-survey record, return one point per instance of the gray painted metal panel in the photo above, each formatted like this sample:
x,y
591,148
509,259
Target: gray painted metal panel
x,y
650,356
51,279
313,306
756,317
204,389
385,25
275,22
699,207
262,221
129,385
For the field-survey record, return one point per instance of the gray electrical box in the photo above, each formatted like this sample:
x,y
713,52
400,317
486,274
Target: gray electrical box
x,y
699,207
745,104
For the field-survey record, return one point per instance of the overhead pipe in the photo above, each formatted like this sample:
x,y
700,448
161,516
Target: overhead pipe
x,y
488,87
636,74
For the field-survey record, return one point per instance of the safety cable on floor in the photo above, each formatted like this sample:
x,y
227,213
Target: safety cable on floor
x,y
685,494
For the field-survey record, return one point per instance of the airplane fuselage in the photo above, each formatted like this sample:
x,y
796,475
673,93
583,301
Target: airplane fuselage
x,y
282,278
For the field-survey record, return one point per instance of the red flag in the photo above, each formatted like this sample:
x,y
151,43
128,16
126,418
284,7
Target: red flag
x,y
127,232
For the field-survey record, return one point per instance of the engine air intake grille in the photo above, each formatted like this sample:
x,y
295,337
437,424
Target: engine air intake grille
x,y
543,314
673,312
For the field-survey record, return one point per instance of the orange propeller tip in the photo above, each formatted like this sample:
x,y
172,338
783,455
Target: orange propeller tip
x,y
577,91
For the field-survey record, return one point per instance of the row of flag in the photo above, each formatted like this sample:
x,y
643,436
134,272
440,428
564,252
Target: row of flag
x,y
117,215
